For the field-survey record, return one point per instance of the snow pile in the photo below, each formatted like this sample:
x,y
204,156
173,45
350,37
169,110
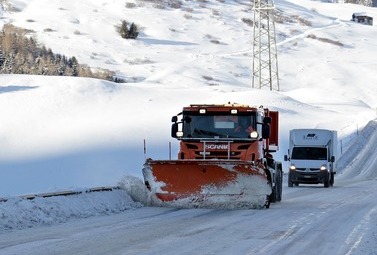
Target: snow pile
x,y
362,153
135,188
17,213
246,191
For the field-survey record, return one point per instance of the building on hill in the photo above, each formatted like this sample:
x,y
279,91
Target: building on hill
x,y
363,18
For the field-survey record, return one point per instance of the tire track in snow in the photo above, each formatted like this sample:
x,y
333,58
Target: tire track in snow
x,y
325,223
357,236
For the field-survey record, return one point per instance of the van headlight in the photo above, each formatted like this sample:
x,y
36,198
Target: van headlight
x,y
292,167
323,168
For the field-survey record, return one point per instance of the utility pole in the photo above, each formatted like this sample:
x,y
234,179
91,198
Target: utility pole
x,y
265,62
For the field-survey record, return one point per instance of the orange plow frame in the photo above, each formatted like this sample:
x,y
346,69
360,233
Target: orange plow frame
x,y
172,180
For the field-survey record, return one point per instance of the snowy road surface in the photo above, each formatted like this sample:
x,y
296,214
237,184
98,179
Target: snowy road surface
x,y
60,132
310,220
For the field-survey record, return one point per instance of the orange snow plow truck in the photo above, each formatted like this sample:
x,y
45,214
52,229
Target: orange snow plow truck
x,y
224,160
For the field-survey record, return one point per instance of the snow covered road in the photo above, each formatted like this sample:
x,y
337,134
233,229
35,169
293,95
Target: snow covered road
x,y
310,220
60,132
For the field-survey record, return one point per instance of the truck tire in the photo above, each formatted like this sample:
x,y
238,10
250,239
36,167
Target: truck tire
x,y
273,195
278,188
279,183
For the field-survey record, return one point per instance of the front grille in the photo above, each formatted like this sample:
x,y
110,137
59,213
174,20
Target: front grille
x,y
307,169
218,155
213,157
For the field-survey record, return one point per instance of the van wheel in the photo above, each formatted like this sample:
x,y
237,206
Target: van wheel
x,y
290,183
326,183
332,179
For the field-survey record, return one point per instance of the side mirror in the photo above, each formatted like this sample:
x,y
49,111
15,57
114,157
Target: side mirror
x,y
265,131
332,159
285,157
267,120
174,130
174,119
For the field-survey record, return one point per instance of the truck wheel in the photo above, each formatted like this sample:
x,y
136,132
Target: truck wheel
x,y
279,184
268,202
277,189
273,195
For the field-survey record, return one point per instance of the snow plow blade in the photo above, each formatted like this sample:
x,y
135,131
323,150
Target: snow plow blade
x,y
226,184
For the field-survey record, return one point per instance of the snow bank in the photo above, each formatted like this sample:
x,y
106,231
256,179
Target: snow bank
x,y
362,153
18,213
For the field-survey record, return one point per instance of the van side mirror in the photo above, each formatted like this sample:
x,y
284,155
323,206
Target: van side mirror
x,y
286,158
332,159
174,119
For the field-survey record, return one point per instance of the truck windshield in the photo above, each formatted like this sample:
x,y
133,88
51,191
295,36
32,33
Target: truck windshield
x,y
218,126
312,153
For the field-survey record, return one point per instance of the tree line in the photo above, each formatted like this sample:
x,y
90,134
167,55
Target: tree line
x,y
22,54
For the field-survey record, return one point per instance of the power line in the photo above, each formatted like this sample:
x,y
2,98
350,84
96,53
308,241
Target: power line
x,y
265,62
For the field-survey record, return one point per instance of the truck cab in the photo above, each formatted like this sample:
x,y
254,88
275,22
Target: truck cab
x,y
228,131
224,157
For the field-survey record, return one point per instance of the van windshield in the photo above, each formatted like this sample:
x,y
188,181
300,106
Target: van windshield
x,y
312,153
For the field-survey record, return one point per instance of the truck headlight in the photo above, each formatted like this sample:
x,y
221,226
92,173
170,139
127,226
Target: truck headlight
x,y
254,135
292,167
323,168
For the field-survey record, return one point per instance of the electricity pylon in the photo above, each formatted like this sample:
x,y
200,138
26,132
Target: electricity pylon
x,y
265,62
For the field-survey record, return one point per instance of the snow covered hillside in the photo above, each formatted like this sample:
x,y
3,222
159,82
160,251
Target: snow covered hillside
x,y
60,133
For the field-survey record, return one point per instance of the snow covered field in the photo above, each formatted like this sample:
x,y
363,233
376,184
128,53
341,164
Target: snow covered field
x,y
61,133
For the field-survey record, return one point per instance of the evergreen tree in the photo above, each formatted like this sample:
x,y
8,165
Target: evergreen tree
x,y
133,31
123,29
20,54
74,65
128,32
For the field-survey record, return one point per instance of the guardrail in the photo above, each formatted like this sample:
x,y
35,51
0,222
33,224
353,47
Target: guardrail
x,y
64,193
